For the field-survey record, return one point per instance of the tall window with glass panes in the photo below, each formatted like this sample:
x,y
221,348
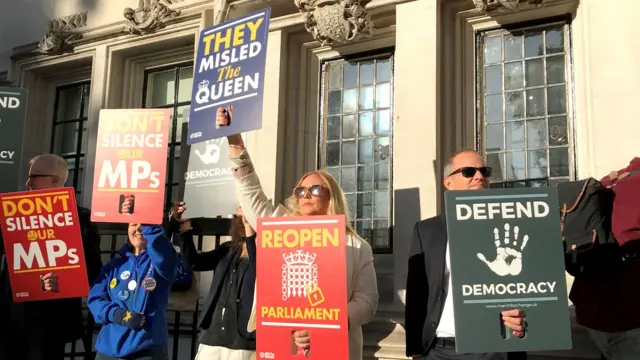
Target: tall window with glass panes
x,y
356,141
69,135
170,87
525,119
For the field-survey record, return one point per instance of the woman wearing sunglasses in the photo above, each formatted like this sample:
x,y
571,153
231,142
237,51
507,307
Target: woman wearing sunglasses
x,y
316,193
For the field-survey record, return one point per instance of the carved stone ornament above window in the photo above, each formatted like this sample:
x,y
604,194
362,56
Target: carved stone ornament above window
x,y
149,16
61,32
334,22
4,79
488,6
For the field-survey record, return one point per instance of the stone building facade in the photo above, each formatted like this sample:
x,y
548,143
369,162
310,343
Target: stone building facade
x,y
379,92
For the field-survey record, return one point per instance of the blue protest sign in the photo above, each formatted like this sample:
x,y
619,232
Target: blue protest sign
x,y
229,75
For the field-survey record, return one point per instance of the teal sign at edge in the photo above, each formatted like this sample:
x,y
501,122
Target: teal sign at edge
x,y
506,253
13,112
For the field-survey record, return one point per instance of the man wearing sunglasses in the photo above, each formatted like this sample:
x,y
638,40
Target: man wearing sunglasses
x,y
39,330
429,323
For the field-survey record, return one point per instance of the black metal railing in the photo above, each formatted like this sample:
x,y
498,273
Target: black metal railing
x,y
539,182
183,328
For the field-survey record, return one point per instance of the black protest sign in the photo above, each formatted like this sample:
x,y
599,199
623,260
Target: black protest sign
x,y
13,110
506,253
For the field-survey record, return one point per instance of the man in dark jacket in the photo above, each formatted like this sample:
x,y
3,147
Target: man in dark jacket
x,y
39,330
429,318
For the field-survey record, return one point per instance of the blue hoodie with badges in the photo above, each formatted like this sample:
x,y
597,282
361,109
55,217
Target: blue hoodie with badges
x,y
134,285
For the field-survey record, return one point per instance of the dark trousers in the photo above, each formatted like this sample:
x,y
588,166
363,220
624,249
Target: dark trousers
x,y
28,348
159,353
446,350
443,353
617,345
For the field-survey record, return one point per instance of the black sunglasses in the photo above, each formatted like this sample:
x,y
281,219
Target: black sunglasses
x,y
301,191
470,171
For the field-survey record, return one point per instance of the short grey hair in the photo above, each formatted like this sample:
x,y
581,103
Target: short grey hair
x,y
55,164
448,166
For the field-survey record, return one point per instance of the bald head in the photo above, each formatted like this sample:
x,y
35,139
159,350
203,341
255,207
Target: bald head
x,y
456,179
449,167
47,171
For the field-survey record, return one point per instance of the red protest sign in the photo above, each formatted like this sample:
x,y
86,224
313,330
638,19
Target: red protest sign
x,y
41,233
302,285
131,160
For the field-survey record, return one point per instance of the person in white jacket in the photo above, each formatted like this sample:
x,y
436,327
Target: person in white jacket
x,y
317,193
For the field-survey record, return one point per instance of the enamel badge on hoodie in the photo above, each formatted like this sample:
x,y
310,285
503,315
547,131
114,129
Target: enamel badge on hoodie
x,y
130,296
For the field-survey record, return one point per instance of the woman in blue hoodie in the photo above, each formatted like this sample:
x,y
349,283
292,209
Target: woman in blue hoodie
x,y
130,297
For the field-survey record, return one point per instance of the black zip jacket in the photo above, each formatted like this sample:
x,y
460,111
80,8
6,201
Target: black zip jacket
x,y
220,261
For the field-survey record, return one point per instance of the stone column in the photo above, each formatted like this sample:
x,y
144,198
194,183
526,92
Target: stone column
x,y
95,103
416,167
265,145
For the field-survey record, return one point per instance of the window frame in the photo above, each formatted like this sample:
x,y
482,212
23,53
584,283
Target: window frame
x,y
480,126
83,121
322,126
174,106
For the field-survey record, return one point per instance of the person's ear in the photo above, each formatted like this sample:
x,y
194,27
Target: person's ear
x,y
56,181
447,182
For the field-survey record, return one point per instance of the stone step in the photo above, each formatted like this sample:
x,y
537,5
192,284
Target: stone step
x,y
385,330
387,313
396,353
384,339
531,356
388,336
389,353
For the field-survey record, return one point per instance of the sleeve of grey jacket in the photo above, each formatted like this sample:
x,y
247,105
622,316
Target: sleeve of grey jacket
x,y
364,302
251,197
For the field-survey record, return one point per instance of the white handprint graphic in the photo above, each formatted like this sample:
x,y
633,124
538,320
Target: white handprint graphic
x,y
508,252
211,153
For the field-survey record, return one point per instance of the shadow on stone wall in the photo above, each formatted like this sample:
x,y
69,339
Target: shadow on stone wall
x,y
384,337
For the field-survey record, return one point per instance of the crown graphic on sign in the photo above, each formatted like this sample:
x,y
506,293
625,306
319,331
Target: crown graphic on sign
x,y
299,258
203,84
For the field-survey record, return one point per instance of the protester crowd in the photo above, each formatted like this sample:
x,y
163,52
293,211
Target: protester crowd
x,y
129,294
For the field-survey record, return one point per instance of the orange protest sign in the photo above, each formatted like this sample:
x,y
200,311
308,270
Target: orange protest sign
x,y
302,285
131,162
41,234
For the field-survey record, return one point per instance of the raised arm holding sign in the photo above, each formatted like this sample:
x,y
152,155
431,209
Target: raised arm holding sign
x,y
304,318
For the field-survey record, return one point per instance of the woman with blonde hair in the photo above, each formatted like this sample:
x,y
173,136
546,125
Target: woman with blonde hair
x,y
316,193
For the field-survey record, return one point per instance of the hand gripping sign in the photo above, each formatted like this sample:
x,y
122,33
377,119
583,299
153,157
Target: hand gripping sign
x,y
302,286
42,240
131,162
